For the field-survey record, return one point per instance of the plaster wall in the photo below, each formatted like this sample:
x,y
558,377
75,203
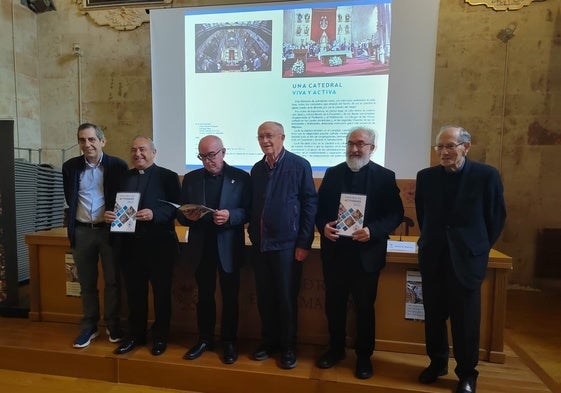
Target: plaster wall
x,y
508,95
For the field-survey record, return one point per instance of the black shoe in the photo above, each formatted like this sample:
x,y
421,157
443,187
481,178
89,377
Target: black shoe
x,y
197,350
431,374
330,358
363,367
288,359
264,351
466,385
158,347
230,353
127,346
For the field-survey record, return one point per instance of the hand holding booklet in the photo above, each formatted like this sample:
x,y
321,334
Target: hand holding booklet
x,y
126,206
351,214
191,207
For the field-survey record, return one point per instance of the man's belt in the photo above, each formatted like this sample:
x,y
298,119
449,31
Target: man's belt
x,y
92,225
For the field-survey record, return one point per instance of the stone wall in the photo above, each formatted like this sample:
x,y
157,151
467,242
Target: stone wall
x,y
114,73
19,77
508,95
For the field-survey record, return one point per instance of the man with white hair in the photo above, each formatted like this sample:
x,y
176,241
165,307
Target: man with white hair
x,y
352,264
461,213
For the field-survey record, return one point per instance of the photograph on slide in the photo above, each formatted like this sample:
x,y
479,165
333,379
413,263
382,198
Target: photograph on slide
x,y
233,46
335,41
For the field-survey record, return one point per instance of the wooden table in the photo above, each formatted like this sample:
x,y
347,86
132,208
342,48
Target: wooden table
x,y
49,301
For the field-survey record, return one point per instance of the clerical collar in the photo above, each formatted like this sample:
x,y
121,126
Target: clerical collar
x,y
145,170
361,169
207,173
457,171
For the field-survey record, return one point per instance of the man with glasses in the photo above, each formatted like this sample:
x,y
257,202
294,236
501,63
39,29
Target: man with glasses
x,y
461,213
352,264
90,184
281,230
216,242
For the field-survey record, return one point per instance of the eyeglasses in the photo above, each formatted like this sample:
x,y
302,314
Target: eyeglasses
x,y
267,136
448,146
209,156
358,145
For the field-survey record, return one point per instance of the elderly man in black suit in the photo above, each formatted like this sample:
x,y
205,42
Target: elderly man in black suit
x,y
216,242
147,255
90,182
461,213
352,264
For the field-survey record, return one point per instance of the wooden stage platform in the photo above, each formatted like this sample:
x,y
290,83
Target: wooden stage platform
x,y
46,347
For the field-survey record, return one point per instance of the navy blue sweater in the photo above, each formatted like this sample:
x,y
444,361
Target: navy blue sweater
x,y
284,204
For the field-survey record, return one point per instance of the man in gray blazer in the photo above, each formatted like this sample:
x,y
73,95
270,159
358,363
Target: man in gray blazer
x,y
216,242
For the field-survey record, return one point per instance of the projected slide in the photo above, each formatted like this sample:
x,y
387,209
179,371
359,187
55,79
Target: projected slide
x,y
317,68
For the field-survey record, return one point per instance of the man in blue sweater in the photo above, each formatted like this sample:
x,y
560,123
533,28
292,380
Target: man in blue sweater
x,y
281,230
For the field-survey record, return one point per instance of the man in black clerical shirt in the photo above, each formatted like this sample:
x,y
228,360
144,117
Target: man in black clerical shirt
x,y
352,264
148,254
216,242
461,213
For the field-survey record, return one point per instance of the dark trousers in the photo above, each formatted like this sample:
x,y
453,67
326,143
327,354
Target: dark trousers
x,y
344,276
91,245
206,304
148,261
277,279
444,297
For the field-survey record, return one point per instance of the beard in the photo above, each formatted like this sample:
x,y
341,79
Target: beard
x,y
356,162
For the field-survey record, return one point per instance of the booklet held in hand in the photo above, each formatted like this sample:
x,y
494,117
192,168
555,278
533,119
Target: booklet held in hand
x,y
126,206
351,214
191,207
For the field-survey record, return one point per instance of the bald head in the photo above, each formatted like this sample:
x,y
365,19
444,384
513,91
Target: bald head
x,y
211,153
